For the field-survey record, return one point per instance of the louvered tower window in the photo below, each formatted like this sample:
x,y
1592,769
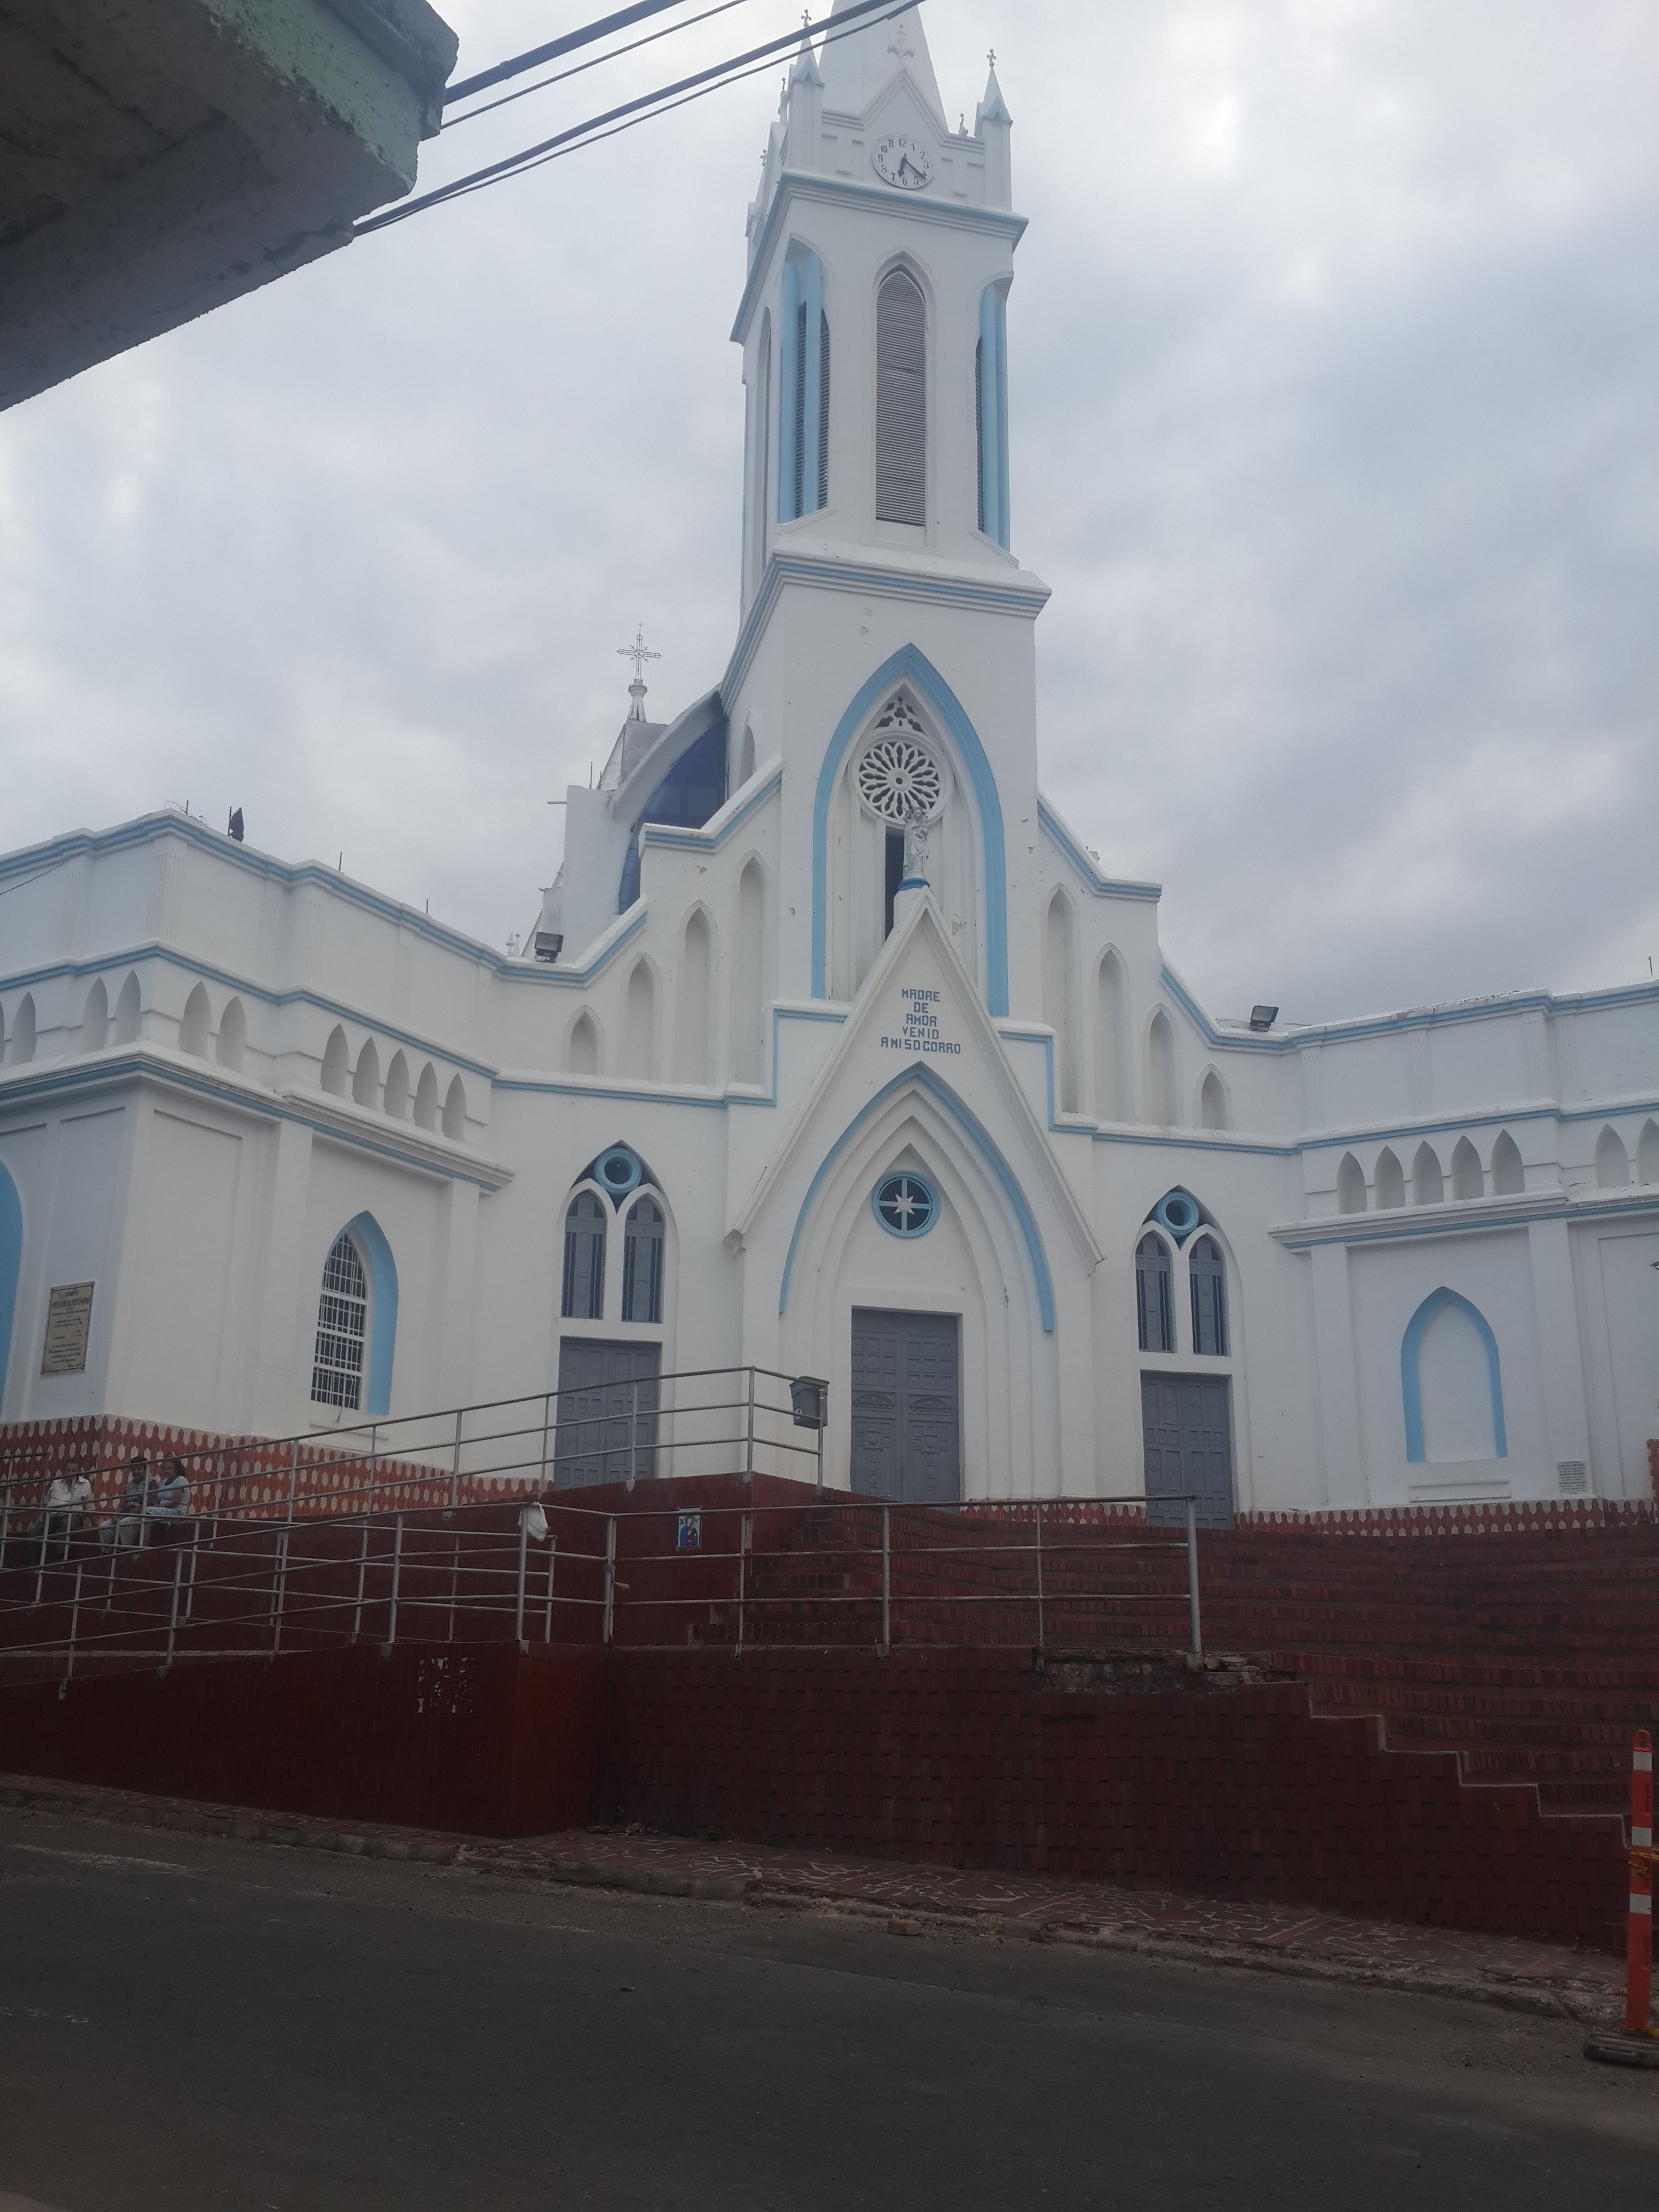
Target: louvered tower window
x,y
336,1369
798,441
824,410
901,401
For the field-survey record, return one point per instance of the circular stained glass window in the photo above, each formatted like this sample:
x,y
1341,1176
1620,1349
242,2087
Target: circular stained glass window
x,y
619,1171
906,1205
900,780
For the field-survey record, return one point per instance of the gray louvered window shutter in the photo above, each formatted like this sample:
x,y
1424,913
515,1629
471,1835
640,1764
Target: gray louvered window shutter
x,y
901,401
798,490
979,423
824,410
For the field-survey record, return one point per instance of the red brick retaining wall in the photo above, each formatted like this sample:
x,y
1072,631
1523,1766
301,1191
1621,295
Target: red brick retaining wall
x,y
479,1739
967,1759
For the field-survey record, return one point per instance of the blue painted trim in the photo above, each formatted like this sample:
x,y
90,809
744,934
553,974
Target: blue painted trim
x,y
369,1235
1103,886
943,1095
135,1066
792,185
910,661
994,413
11,1266
1411,1379
905,1236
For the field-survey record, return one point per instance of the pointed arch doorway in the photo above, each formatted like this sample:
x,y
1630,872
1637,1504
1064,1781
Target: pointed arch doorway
x,y
907,1405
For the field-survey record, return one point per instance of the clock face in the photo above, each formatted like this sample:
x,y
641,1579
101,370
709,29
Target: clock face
x,y
903,161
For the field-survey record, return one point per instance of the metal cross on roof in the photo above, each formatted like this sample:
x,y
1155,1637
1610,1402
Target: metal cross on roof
x,y
900,45
639,653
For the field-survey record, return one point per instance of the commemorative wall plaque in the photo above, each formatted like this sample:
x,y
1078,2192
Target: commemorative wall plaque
x,y
69,1329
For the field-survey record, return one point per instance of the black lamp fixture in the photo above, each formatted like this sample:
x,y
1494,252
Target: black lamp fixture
x,y
233,829
809,1399
1263,1017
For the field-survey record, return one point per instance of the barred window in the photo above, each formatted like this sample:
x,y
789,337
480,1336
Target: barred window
x,y
643,1248
1209,1281
584,1259
1155,1294
336,1373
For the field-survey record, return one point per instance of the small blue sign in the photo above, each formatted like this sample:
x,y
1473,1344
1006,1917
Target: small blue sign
x,y
691,1534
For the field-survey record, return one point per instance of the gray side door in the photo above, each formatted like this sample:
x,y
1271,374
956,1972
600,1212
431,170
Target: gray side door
x,y
1187,1422
907,1416
607,1419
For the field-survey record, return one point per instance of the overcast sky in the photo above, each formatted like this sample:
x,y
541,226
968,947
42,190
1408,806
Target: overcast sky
x,y
1334,358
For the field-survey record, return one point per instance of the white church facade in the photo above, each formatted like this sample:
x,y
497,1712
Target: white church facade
x,y
834,1052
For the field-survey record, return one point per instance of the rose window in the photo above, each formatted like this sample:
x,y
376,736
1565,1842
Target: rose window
x,y
900,780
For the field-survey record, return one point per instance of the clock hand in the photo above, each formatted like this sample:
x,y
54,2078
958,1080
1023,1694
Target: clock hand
x,y
906,163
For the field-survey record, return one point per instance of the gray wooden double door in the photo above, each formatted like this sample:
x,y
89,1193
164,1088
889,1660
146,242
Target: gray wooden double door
x,y
907,1405
607,1419
1187,1421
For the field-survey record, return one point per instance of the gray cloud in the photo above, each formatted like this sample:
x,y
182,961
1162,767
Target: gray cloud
x,y
1334,350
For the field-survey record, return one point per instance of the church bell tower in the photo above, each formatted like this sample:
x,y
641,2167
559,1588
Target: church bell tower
x,y
877,540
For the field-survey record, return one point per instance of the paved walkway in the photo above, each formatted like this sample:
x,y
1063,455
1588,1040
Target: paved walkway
x,y
1290,1939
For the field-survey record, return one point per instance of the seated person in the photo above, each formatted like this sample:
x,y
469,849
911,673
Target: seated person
x,y
68,1506
135,1498
171,1504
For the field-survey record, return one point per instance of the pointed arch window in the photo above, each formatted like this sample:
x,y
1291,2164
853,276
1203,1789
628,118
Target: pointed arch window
x,y
901,401
642,1262
1155,1294
803,411
583,1297
1208,1273
336,1370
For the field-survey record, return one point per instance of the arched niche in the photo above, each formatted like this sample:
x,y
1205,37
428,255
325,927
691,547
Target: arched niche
x,y
365,1078
454,1121
232,1043
1113,1075
1212,1102
396,1088
1508,1174
581,1047
1468,1177
749,976
1647,1154
639,1054
694,1008
95,1018
1162,1080
1428,1180
1060,996
429,1109
1612,1161
196,1030
1452,1384
1349,1186
128,1012
1390,1179
336,1064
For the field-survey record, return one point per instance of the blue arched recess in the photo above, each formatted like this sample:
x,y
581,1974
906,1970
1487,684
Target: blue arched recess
x,y
912,663
11,1263
383,1308
1411,1378
942,1095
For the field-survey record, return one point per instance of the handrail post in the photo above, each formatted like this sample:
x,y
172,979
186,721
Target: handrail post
x,y
523,1556
552,1556
373,1455
362,1578
823,1409
396,1579
74,1622
609,1578
748,1455
745,1536
886,1578
1041,1641
279,1592
632,1430
173,1624
293,1476
1192,1577
455,1468
547,1422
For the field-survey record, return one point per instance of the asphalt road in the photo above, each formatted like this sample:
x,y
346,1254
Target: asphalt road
x,y
187,2023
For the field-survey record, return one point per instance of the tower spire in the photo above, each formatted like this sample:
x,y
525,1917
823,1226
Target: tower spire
x,y
858,68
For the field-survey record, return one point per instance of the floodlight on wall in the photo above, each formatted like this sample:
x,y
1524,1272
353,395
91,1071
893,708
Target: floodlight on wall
x,y
234,830
549,946
1263,1017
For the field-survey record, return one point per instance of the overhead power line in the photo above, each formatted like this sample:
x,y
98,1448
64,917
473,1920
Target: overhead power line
x,y
614,120
594,61
555,47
